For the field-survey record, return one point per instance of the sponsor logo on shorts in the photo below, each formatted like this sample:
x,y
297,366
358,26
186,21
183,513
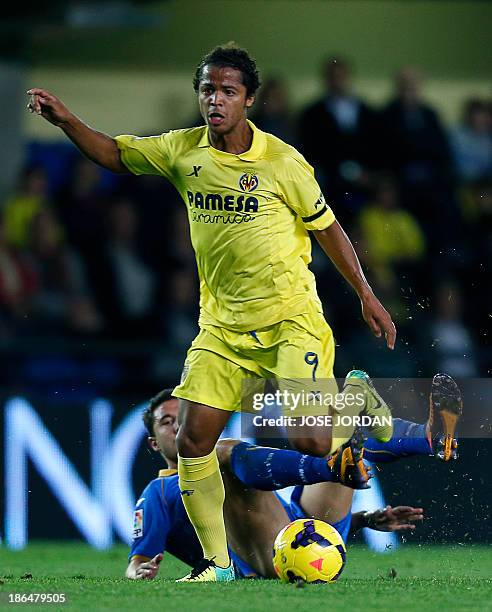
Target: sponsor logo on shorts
x,y
187,492
138,524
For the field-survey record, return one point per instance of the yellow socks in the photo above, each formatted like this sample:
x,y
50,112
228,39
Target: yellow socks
x,y
203,494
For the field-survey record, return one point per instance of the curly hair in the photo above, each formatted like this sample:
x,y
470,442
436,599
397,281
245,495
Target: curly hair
x,y
234,57
148,414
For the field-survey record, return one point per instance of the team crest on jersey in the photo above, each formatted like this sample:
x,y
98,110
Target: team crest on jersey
x,y
138,524
248,182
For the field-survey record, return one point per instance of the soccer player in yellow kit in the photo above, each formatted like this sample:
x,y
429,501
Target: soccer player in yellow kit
x,y
251,200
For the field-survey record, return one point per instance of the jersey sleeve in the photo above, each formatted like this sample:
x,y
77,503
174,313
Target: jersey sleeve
x,y
146,155
151,522
301,192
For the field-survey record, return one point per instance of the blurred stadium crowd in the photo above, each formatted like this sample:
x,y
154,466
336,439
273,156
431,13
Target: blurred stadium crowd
x,y
93,260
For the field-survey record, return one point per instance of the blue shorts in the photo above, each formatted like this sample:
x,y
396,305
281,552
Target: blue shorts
x,y
294,511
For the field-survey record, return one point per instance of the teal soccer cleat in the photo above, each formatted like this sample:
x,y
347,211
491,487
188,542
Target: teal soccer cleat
x,y
207,571
375,407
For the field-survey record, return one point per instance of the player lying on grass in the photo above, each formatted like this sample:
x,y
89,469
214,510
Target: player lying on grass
x,y
254,513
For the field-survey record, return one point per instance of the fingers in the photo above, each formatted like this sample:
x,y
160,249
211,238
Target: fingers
x,y
37,97
404,527
146,573
379,320
400,510
35,101
390,335
388,327
149,569
33,105
376,330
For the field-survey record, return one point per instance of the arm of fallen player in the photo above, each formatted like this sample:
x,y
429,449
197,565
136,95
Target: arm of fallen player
x,y
141,568
399,518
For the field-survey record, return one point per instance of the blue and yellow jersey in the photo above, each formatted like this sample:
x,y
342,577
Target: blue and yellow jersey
x,y
249,216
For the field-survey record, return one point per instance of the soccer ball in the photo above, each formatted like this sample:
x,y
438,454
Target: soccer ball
x,y
309,550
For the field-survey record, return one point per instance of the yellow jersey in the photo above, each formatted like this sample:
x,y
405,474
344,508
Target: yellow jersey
x,y
249,217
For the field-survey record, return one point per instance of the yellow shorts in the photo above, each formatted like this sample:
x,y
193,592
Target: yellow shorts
x,y
219,360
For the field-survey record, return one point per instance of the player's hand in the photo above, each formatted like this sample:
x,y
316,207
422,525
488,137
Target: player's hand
x,y
42,102
399,518
149,569
378,319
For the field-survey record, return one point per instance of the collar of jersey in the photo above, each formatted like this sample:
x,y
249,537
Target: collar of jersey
x,y
254,153
167,472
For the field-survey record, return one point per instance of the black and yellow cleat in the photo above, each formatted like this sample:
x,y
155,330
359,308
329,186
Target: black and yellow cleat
x,y
445,410
347,463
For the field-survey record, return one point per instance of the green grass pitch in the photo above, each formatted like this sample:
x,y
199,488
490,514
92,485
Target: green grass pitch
x,y
413,577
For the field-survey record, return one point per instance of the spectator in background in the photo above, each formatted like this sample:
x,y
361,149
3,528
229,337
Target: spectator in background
x,y
126,284
18,283
415,149
271,112
180,247
472,142
62,300
393,245
454,349
29,199
181,297
182,314
79,203
477,207
338,137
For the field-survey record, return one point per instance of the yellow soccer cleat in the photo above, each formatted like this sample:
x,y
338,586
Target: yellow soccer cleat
x,y
207,571
375,407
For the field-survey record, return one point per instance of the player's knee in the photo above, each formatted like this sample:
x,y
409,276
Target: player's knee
x,y
191,445
319,447
224,450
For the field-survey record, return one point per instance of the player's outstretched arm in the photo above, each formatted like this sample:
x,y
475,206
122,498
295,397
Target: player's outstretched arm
x,y
336,244
98,147
139,569
399,518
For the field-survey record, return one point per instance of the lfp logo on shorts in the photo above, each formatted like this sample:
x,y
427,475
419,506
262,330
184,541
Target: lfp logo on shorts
x,y
248,182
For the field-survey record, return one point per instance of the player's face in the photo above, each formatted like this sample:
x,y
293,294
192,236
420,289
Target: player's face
x,y
223,98
165,429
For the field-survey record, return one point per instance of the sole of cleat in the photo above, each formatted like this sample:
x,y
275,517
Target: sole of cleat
x,y
446,402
